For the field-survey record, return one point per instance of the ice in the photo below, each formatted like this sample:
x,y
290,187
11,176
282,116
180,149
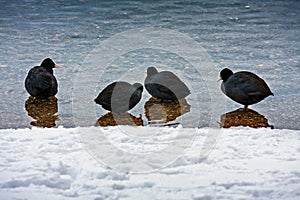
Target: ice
x,y
244,163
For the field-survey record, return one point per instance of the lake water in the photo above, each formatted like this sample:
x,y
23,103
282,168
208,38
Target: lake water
x,y
89,40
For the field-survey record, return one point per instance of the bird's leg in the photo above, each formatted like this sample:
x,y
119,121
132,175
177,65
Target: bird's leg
x,y
245,107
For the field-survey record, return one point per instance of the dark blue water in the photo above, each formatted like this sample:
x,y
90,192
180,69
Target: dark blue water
x,y
258,36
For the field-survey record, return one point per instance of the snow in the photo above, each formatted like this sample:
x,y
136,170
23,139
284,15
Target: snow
x,y
65,163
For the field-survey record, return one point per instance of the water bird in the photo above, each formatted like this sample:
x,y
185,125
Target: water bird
x,y
120,96
244,87
165,85
40,81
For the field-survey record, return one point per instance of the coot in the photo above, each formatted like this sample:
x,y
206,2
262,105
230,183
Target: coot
x,y
40,81
165,85
244,87
120,96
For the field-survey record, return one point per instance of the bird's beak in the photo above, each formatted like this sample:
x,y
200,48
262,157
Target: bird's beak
x,y
219,79
56,66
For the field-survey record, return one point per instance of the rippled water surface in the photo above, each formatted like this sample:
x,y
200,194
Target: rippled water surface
x,y
258,36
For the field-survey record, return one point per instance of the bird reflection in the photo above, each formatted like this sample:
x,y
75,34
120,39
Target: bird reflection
x,y
114,119
241,117
165,111
42,110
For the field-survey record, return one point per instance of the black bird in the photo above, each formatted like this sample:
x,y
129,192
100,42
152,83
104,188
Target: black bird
x,y
244,87
120,96
165,85
40,81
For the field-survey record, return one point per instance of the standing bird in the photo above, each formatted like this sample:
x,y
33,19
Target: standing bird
x,y
120,96
165,85
244,87
40,81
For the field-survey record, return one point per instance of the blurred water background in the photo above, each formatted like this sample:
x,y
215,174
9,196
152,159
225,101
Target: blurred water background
x,y
258,36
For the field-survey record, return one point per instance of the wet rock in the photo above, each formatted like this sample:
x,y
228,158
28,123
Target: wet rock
x,y
43,111
156,109
114,119
242,117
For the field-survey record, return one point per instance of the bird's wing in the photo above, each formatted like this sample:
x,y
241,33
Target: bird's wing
x,y
169,80
253,85
41,78
117,91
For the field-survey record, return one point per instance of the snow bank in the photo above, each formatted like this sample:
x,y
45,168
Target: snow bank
x,y
60,163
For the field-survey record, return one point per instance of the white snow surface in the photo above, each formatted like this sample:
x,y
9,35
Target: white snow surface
x,y
243,163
